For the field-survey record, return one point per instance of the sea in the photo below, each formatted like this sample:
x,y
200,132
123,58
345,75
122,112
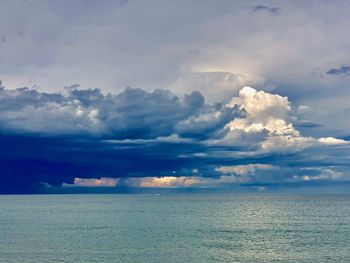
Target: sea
x,y
175,228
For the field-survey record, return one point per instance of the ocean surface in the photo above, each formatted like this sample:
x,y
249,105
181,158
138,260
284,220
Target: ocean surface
x,y
175,228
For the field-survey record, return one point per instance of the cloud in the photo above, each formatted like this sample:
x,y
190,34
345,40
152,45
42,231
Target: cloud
x,y
133,113
155,139
216,86
235,174
343,70
248,169
138,114
333,141
270,115
323,174
127,48
93,182
260,104
163,182
267,113
272,10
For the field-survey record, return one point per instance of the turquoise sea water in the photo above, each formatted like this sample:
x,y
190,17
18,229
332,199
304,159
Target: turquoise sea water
x,y
175,228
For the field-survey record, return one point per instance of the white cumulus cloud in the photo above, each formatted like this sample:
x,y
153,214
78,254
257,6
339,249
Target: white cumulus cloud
x,y
270,114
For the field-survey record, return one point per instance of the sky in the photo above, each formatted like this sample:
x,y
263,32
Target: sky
x,y
133,96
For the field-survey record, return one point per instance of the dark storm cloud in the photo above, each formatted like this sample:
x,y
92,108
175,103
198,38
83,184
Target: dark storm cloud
x,y
131,114
340,71
27,162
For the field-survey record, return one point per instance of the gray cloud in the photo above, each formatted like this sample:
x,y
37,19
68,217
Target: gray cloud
x,y
343,70
131,114
272,10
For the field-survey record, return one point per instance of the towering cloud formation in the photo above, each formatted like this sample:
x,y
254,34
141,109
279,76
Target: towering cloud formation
x,y
270,114
141,139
